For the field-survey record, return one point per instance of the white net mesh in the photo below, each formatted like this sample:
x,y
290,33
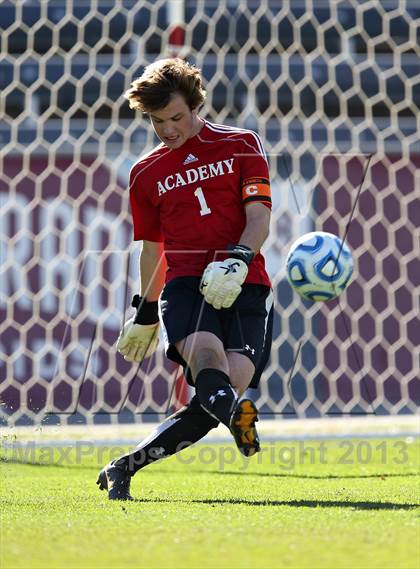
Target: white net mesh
x,y
333,89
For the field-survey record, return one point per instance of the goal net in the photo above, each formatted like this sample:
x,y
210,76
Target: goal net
x,y
333,89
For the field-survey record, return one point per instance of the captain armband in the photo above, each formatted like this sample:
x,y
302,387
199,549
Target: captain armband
x,y
256,190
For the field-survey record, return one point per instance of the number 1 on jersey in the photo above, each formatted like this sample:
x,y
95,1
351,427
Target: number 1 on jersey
x,y
205,210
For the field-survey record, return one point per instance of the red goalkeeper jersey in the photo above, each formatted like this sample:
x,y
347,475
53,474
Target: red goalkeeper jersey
x,y
193,198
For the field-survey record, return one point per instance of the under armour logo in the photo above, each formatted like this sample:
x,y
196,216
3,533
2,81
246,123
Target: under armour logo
x,y
220,393
231,268
156,452
252,350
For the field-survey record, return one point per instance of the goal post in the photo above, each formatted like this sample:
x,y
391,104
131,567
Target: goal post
x,y
332,88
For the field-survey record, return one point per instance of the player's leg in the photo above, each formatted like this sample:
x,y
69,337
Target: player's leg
x,y
247,332
177,432
241,371
205,356
249,344
220,377
181,312
249,337
193,336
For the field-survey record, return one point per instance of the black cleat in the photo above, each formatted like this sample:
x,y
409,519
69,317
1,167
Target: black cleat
x,y
242,427
116,480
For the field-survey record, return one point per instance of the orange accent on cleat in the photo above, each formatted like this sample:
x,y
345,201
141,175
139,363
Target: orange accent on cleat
x,y
242,427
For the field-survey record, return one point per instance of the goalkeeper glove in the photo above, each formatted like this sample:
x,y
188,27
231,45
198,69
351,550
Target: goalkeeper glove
x,y
222,281
139,337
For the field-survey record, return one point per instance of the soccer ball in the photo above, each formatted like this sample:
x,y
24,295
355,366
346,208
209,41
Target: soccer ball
x,y
319,266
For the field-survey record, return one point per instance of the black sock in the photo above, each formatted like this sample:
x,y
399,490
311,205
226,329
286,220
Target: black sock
x,y
179,431
216,394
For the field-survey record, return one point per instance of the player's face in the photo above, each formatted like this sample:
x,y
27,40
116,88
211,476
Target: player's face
x,y
175,123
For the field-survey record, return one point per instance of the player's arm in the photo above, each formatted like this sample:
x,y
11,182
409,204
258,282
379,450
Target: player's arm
x,y
152,270
140,336
257,226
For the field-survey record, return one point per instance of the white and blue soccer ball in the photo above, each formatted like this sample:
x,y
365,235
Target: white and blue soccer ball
x,y
319,266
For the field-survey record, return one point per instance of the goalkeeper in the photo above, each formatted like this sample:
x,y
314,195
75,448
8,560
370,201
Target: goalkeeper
x,y
201,204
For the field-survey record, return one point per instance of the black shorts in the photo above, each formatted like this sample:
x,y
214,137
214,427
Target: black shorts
x,y
245,327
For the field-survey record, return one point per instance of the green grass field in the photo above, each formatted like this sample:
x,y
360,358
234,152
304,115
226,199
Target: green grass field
x,y
343,504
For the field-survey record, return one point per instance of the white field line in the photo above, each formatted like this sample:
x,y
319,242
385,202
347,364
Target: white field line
x,y
281,430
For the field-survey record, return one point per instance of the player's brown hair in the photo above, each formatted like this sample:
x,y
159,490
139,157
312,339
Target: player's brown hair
x,y
161,80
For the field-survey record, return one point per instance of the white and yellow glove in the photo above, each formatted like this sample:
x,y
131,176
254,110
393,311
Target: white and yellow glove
x,y
139,337
222,281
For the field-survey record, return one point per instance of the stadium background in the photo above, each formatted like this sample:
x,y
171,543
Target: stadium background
x,y
333,89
